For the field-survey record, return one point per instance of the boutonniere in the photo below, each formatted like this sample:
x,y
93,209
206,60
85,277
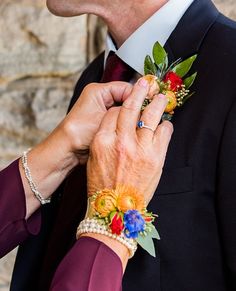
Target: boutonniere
x,y
173,80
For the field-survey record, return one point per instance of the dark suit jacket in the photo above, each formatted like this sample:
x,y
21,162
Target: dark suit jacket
x,y
196,198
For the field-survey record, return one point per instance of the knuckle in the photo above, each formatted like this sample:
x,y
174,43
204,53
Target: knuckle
x,y
121,145
149,115
131,105
125,149
97,142
69,127
113,110
90,87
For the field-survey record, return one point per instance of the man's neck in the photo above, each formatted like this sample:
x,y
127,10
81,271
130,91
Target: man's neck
x,y
123,21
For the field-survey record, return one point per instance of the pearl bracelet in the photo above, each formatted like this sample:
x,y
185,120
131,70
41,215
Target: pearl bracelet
x,y
91,225
32,185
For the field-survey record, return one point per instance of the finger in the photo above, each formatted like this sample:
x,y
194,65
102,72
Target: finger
x,y
151,116
162,137
114,92
109,121
131,107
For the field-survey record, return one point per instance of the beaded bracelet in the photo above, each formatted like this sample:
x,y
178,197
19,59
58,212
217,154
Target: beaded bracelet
x,y
37,194
90,225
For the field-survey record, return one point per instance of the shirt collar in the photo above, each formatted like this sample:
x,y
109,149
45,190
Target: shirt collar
x,y
157,28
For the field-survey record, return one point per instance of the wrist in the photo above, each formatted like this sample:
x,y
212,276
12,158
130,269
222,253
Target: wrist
x,y
49,164
55,154
121,214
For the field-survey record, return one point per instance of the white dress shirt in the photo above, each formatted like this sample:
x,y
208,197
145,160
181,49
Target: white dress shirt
x,y
157,28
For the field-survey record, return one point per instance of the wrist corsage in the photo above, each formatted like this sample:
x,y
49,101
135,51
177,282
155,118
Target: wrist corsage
x,y
121,213
172,80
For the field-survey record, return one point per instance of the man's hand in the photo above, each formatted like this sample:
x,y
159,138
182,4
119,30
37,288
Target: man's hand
x,y
121,153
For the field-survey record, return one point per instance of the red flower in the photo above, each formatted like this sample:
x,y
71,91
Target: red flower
x,y
175,81
117,224
148,219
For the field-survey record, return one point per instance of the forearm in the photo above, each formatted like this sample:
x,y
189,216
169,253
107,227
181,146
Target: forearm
x,y
49,163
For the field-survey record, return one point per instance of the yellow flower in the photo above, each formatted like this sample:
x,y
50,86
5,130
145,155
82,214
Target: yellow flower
x,y
129,199
172,102
105,202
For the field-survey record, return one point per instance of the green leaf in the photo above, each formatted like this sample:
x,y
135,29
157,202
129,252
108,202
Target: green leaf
x,y
154,233
173,65
183,68
188,82
149,66
147,244
163,68
159,55
112,214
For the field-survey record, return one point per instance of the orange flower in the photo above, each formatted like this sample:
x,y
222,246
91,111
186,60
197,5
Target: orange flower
x,y
105,202
172,102
129,199
154,87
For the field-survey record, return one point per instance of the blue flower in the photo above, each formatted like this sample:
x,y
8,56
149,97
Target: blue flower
x,y
134,223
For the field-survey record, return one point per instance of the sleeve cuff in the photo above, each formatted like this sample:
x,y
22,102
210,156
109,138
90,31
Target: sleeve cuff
x,y
89,265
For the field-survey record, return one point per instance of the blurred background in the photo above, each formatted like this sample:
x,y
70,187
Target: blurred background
x,y
41,58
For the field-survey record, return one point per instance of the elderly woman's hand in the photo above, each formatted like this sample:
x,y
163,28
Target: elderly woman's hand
x,y
123,154
83,121
67,146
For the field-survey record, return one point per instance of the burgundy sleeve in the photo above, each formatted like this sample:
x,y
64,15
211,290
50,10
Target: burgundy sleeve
x,y
14,229
90,265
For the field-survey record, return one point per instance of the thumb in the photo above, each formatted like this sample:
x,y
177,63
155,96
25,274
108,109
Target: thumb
x,y
115,92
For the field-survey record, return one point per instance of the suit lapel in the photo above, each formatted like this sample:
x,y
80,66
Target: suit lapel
x,y
191,30
186,40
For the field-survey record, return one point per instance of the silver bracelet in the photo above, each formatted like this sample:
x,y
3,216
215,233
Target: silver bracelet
x,y
91,225
32,185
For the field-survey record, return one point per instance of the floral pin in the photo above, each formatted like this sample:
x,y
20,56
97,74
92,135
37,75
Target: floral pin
x,y
173,80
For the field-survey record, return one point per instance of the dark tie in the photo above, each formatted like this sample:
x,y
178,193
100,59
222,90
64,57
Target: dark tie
x,y
116,70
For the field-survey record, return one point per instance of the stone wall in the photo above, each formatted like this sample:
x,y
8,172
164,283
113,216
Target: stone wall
x,y
227,7
41,57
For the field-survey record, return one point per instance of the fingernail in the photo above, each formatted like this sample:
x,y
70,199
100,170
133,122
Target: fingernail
x,y
143,82
162,96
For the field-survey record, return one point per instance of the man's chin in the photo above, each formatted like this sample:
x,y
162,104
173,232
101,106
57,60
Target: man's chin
x,y
61,8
